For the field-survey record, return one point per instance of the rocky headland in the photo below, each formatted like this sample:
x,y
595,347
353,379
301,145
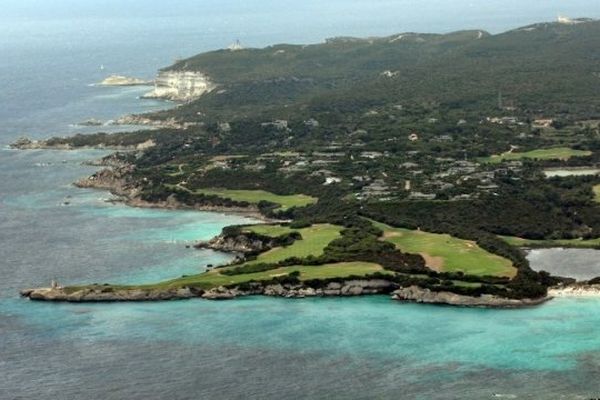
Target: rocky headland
x,y
337,288
120,80
421,295
181,86
104,293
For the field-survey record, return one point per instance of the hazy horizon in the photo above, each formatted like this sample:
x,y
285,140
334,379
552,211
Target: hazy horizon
x,y
342,16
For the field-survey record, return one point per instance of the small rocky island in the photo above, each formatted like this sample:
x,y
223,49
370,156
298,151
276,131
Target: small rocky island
x,y
120,80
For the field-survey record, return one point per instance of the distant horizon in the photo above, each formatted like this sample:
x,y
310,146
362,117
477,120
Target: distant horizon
x,y
338,17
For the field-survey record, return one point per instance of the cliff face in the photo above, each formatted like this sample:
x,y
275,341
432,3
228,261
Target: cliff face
x,y
180,86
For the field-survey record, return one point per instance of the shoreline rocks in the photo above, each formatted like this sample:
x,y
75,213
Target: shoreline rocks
x,y
106,294
420,295
341,288
575,290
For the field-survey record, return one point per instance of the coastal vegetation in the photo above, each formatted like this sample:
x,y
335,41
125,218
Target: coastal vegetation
x,y
319,136
217,278
314,240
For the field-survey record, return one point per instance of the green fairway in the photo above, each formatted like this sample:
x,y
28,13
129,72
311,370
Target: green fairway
x,y
269,230
338,270
557,153
445,253
314,240
571,243
256,196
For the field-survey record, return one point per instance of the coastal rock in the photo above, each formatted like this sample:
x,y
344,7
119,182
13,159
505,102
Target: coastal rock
x,y
275,290
234,244
307,292
25,143
575,290
421,295
220,293
180,86
120,80
91,122
106,294
109,179
166,123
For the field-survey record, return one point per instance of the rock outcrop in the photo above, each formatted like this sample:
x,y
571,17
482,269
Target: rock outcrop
x,y
180,86
575,290
112,179
143,120
235,244
25,143
120,80
107,294
421,295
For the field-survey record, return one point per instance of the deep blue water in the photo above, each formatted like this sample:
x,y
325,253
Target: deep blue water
x,y
250,348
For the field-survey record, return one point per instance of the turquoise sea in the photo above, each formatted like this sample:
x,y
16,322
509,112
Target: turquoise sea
x,y
252,348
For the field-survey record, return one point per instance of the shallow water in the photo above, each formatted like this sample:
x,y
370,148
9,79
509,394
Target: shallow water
x,y
253,347
581,264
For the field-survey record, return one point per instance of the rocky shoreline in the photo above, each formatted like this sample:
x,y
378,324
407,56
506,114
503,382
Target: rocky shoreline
x,y
341,288
426,296
114,180
575,290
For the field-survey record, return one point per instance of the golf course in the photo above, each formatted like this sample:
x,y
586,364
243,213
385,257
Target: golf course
x,y
556,153
445,253
256,196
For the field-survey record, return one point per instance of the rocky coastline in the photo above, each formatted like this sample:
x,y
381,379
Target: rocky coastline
x,y
103,293
114,180
341,288
426,296
581,289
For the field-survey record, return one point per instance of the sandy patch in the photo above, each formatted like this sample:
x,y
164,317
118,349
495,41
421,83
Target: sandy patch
x,y
434,263
391,234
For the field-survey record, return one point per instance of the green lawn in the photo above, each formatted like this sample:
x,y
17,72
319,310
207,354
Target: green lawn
x,y
445,253
269,230
597,193
557,153
314,240
571,243
256,196
338,270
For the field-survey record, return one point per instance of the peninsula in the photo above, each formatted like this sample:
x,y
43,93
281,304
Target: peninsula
x,y
410,165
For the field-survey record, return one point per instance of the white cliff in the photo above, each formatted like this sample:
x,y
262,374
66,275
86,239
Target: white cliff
x,y
180,86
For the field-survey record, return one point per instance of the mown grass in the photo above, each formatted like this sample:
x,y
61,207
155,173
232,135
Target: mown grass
x,y
445,253
557,153
214,278
269,230
256,196
314,240
570,243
